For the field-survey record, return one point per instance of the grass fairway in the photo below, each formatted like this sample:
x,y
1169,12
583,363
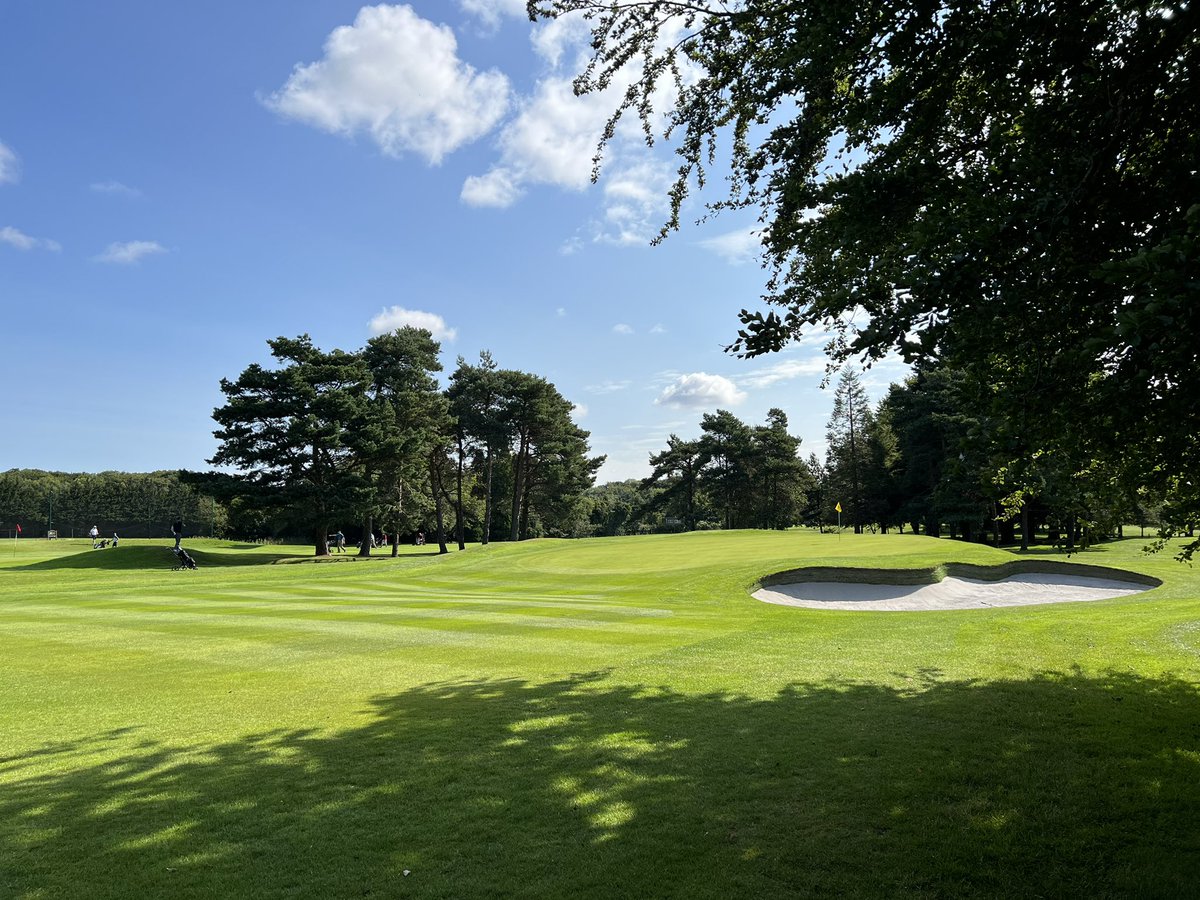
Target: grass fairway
x,y
610,718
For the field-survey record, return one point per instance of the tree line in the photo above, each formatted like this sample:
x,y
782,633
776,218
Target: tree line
x,y
324,438
933,456
130,504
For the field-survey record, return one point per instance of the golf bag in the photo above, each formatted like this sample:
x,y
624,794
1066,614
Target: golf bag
x,y
183,560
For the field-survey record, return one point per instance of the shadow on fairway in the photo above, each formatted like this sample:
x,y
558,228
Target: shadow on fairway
x,y
1058,785
158,557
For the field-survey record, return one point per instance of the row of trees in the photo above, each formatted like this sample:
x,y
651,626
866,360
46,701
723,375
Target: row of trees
x,y
934,456
133,505
940,452
328,437
733,475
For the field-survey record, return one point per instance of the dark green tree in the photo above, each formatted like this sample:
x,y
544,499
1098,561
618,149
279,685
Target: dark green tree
x,y
848,453
676,475
481,429
291,434
548,453
781,477
726,453
414,426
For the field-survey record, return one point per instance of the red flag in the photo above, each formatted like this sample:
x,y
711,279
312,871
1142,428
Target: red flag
x,y
18,529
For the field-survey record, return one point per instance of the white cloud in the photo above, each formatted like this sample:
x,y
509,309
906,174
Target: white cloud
x,y
129,252
636,201
658,329
699,390
552,39
735,247
115,187
579,410
398,78
10,165
784,370
622,328
22,241
561,312
553,138
490,12
497,188
397,317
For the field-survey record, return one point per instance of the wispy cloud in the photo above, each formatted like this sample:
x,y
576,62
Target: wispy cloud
x,y
16,238
129,252
10,165
735,247
784,370
658,329
608,387
397,317
490,12
114,187
622,328
552,137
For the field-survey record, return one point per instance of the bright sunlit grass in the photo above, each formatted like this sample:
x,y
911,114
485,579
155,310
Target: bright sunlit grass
x,y
610,717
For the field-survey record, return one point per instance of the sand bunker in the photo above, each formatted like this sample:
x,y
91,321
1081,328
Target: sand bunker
x,y
952,592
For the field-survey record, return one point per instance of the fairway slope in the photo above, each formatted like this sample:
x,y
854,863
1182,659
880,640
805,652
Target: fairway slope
x,y
610,718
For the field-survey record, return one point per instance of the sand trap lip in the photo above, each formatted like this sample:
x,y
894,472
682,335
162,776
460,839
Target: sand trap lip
x,y
953,586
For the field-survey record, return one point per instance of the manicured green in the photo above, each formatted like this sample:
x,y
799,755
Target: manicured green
x,y
605,718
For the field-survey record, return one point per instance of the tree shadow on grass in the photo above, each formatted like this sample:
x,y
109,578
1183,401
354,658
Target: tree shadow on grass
x,y
1057,785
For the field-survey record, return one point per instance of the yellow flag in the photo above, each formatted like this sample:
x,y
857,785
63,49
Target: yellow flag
x,y
839,506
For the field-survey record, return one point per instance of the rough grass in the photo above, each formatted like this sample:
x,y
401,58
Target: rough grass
x,y
596,718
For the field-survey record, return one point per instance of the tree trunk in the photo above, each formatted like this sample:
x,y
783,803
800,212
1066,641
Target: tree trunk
x,y
364,548
487,500
459,525
1024,526
524,529
514,525
1008,532
322,541
435,485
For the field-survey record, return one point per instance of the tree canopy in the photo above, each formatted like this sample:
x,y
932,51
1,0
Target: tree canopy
x,y
331,437
1007,187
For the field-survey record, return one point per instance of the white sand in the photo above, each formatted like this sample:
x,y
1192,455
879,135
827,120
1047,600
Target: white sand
x,y
949,593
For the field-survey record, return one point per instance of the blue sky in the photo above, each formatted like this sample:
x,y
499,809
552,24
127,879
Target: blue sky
x,y
181,182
